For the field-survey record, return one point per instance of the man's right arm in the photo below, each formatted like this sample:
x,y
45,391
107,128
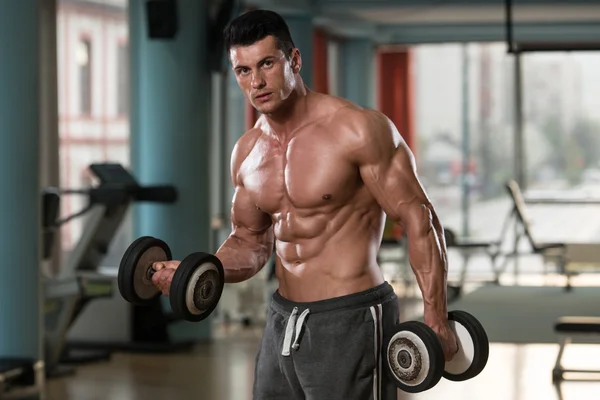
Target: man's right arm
x,y
250,244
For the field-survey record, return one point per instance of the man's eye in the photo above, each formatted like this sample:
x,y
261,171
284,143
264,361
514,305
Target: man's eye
x,y
268,64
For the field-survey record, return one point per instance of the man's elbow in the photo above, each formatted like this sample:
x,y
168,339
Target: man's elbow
x,y
239,275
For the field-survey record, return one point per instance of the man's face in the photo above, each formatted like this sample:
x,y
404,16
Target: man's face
x,y
264,74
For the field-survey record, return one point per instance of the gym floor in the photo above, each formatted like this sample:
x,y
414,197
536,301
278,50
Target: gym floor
x,y
223,370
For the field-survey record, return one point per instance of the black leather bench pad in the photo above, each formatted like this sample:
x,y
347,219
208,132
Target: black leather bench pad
x,y
578,325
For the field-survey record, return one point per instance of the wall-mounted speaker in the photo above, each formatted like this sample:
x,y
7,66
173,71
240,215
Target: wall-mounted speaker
x,y
161,18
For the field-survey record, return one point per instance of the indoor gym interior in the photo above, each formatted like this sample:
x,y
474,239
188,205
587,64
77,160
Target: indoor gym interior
x,y
102,96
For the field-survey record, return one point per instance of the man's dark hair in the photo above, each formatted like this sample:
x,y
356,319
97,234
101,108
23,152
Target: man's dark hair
x,y
255,25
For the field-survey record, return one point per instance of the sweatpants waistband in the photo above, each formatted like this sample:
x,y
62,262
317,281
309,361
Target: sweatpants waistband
x,y
366,298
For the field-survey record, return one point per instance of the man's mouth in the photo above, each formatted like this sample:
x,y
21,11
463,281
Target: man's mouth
x,y
263,97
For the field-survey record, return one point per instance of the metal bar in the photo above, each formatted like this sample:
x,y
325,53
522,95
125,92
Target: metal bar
x,y
580,376
519,144
583,371
540,46
525,31
485,87
563,343
508,8
544,200
557,46
465,141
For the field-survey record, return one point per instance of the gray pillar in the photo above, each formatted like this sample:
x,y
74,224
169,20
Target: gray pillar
x,y
236,103
519,140
170,131
20,326
49,153
357,57
301,29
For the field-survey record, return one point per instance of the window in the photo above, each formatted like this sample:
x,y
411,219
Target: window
x,y
89,131
465,150
84,65
123,79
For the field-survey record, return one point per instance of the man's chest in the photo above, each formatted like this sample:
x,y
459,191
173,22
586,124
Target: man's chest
x,y
311,171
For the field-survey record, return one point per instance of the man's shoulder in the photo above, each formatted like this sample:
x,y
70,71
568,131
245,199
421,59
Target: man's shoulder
x,y
347,113
333,105
362,129
244,146
359,122
363,118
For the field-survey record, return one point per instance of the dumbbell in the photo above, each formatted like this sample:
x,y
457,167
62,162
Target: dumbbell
x,y
415,357
196,287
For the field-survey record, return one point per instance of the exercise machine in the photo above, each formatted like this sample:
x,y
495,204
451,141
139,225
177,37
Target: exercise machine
x,y
21,378
81,279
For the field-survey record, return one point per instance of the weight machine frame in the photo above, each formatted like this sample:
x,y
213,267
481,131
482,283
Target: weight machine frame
x,y
108,204
515,47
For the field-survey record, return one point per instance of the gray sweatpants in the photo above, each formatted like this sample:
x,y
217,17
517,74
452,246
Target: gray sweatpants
x,y
327,350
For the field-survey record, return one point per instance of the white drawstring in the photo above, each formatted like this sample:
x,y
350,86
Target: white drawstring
x,y
299,326
289,331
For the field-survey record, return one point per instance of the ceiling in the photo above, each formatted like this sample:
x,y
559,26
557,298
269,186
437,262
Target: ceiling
x,y
412,21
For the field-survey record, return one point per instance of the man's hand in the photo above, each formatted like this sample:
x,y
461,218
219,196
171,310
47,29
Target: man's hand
x,y
164,275
448,339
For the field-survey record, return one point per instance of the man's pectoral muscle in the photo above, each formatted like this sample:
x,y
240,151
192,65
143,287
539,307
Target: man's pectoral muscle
x,y
388,170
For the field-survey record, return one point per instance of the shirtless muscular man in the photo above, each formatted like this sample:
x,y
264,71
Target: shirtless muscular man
x,y
315,179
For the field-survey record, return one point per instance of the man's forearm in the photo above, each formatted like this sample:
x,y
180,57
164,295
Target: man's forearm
x,y
427,254
242,259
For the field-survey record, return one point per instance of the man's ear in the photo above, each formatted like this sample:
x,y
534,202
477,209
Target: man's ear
x,y
296,60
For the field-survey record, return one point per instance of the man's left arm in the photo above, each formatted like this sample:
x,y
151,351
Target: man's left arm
x,y
388,169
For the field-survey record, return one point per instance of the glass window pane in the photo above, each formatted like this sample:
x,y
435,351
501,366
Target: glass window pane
x,y
94,100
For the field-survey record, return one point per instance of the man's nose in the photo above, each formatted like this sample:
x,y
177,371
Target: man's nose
x,y
257,81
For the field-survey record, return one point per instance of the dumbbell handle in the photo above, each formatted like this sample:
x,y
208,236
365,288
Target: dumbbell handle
x,y
150,272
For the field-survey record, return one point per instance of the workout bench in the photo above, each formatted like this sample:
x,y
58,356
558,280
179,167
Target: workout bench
x,y
568,328
570,258
564,255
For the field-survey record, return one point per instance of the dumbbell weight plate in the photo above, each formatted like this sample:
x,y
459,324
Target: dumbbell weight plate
x,y
135,285
197,286
414,357
473,347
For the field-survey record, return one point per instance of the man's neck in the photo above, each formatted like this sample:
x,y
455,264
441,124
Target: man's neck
x,y
292,116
